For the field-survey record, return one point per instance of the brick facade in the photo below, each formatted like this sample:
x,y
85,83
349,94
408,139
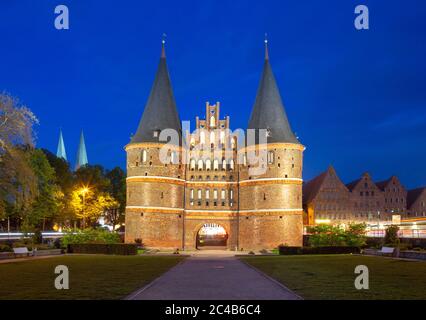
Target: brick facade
x,y
167,204
327,200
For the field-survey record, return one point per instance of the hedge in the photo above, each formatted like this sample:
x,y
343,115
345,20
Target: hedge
x,y
284,250
93,248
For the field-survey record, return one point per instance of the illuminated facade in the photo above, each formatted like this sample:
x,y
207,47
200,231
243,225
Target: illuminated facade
x,y
326,199
207,179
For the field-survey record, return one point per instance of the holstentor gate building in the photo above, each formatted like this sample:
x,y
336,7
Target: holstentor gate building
x,y
169,202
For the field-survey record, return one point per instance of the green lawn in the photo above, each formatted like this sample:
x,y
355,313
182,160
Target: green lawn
x,y
332,276
90,276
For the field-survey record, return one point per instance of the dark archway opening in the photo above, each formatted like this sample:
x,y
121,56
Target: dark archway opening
x,y
212,236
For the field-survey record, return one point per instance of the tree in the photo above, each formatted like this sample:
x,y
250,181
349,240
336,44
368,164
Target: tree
x,y
47,200
89,206
17,181
93,177
355,235
117,189
63,173
391,236
328,235
16,123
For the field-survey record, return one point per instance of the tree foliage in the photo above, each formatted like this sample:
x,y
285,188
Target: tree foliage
x,y
391,236
38,189
329,235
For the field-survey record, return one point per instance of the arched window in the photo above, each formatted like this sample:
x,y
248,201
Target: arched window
x,y
192,165
208,164
202,137
207,194
192,194
244,160
200,165
200,194
223,194
144,156
212,137
212,121
224,164
231,164
271,157
216,164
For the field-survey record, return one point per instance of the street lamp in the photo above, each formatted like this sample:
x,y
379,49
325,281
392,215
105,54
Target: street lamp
x,y
83,192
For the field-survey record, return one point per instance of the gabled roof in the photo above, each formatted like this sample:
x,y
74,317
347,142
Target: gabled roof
x,y
268,111
160,111
413,195
351,185
383,184
312,187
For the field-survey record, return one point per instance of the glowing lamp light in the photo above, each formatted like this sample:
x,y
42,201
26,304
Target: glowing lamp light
x,y
322,221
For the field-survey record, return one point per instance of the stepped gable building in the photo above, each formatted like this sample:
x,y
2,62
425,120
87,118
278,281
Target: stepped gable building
x,y
416,202
395,197
327,198
367,199
183,204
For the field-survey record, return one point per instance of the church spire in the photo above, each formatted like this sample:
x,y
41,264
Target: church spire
x,y
266,47
81,153
268,111
60,152
160,110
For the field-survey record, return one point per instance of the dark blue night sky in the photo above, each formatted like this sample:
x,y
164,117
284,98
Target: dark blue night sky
x,y
356,99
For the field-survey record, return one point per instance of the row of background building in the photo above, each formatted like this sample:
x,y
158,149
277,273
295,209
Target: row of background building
x,y
326,199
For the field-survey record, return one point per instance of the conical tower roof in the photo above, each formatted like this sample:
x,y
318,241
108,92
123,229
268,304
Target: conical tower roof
x,y
81,153
268,110
160,111
61,152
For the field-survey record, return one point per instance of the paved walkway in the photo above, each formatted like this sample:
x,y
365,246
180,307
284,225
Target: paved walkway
x,y
213,277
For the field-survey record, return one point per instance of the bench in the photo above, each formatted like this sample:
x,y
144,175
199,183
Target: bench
x,y
387,250
21,251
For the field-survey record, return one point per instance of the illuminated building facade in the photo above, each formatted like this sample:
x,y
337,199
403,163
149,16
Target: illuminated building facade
x,y
207,181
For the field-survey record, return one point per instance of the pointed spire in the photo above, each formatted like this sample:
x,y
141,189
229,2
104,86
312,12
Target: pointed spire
x,y
163,46
266,47
60,152
160,110
268,111
81,153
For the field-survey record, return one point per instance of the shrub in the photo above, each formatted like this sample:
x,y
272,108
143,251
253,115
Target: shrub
x,y
283,250
90,236
103,248
328,235
391,236
5,248
37,237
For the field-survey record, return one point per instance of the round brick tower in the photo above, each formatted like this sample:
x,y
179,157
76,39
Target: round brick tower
x,y
270,184
155,174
